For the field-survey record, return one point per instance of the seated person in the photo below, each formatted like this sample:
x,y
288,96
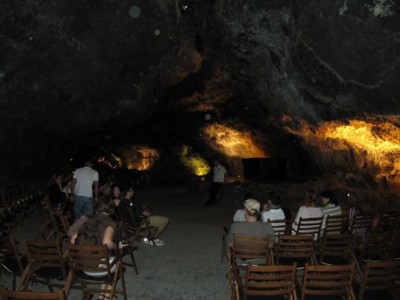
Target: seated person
x,y
239,214
330,204
310,209
272,209
140,211
56,194
251,226
108,234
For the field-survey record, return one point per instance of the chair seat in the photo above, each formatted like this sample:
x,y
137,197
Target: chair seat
x,y
51,272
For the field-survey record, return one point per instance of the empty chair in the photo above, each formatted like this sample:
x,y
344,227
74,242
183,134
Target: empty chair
x,y
29,295
309,226
336,224
337,249
295,249
326,281
268,281
376,246
46,264
382,277
389,221
94,271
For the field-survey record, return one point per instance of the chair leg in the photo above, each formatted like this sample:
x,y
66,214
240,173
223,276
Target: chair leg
x,y
134,265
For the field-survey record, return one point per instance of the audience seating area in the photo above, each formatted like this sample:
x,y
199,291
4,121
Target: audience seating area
x,y
322,258
49,260
338,261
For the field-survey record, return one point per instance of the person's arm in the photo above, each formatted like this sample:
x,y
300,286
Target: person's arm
x,y
108,238
72,189
225,176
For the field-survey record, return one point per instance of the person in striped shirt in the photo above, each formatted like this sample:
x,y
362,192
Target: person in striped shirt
x,y
330,205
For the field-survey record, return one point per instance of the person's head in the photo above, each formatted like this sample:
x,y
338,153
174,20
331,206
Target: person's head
x,y
328,197
115,191
251,209
127,192
104,206
311,199
216,162
58,178
105,188
89,161
274,200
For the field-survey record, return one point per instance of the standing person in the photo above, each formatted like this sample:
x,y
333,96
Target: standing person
x,y
56,194
84,183
219,178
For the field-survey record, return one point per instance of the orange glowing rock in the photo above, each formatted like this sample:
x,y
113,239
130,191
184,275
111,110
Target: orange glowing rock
x,y
231,142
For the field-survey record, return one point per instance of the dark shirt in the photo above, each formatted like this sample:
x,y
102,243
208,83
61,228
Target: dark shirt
x,y
56,195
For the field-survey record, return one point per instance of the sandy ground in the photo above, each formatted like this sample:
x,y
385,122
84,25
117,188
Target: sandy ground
x,y
188,266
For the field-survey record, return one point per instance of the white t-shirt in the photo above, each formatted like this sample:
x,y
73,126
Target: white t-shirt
x,y
219,174
273,214
85,177
308,212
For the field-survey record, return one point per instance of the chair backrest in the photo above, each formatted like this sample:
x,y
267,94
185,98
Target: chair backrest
x,y
89,258
389,221
281,226
250,247
361,224
328,280
29,295
299,248
270,281
45,254
336,246
377,246
310,226
336,224
379,276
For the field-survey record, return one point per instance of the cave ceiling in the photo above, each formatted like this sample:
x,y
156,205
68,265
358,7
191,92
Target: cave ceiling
x,y
75,72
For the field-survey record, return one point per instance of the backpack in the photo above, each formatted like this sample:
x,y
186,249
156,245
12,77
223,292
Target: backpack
x,y
90,233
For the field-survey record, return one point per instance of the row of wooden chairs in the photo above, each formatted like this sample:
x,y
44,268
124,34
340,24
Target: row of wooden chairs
x,y
299,250
318,280
88,268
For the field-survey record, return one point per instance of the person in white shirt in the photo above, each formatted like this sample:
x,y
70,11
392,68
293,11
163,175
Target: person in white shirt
x,y
310,209
272,209
219,178
85,182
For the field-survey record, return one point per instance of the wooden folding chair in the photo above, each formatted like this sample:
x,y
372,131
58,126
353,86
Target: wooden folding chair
x,y
46,264
389,221
92,269
268,281
360,225
29,295
131,228
310,226
336,224
376,246
337,249
295,249
326,281
249,250
383,277
281,226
